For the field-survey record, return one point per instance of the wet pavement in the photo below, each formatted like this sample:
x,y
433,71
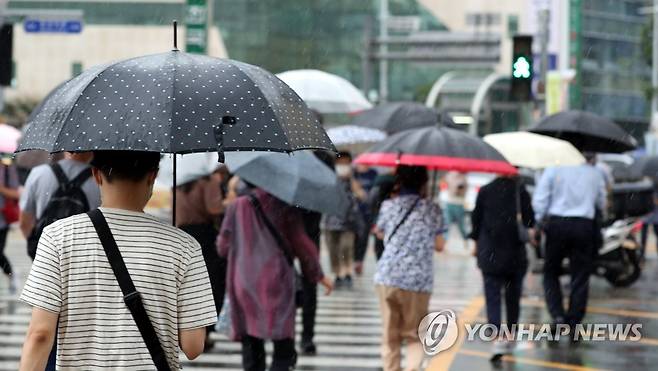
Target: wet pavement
x,y
348,329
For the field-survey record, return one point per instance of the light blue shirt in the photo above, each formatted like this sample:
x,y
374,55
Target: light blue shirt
x,y
570,191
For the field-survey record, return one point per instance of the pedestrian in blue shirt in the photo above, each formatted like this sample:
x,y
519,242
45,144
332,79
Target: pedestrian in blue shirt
x,y
566,199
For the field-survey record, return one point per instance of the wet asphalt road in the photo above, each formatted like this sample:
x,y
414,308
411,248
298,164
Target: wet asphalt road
x,y
348,324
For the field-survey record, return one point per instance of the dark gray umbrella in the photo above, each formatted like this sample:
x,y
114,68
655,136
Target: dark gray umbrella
x,y
437,148
174,102
299,179
397,116
586,131
645,166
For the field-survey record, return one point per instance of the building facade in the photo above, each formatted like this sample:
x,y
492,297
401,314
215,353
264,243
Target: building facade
x,y
111,30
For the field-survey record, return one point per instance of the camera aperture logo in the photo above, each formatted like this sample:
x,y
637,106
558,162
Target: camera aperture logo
x,y
438,331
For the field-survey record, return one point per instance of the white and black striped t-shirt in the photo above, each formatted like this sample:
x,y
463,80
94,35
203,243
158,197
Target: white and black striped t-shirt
x,y
72,276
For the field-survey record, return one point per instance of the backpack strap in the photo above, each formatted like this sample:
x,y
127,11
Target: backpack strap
x,y
81,178
275,233
131,296
62,179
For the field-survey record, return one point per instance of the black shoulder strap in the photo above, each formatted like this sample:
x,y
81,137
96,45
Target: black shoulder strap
x,y
279,239
59,174
131,297
406,215
81,178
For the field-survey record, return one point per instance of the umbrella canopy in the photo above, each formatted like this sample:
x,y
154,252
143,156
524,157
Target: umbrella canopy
x,y
174,102
9,137
346,135
586,131
190,167
397,116
534,151
325,92
299,179
646,166
437,148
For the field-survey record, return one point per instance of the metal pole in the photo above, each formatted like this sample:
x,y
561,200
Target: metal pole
x,y
175,35
383,49
544,18
209,23
654,70
366,58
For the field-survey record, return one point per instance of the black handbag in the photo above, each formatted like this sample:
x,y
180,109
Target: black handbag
x,y
522,230
131,296
298,284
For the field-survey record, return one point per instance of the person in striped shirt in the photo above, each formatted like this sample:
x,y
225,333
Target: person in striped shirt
x,y
74,292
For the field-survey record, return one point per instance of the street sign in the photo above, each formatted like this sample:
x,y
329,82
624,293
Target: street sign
x,y
32,25
403,24
196,19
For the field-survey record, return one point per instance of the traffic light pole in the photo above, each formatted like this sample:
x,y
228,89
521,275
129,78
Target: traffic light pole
x,y
383,48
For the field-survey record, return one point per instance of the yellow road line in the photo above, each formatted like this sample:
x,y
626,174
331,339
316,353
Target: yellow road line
x,y
601,310
443,360
530,361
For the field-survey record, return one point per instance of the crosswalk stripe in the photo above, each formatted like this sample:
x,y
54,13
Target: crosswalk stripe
x,y
348,325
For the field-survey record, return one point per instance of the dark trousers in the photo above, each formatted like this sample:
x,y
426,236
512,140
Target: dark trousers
x,y
206,235
284,357
645,234
512,285
4,262
571,238
309,305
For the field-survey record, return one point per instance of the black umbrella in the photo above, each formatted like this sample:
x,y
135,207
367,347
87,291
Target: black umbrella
x,y
586,131
397,116
645,166
438,148
174,102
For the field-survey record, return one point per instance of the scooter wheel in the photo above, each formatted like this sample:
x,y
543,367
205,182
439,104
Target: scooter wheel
x,y
631,268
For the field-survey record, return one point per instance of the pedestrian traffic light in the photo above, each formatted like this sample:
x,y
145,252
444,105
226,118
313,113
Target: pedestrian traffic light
x,y
521,88
6,44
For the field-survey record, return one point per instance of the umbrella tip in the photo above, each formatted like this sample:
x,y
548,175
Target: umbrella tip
x,y
175,35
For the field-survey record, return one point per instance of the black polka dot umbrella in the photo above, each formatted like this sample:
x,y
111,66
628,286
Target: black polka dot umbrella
x,y
174,102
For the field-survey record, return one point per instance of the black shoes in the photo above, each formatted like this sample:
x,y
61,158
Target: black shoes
x,y
308,348
348,282
343,283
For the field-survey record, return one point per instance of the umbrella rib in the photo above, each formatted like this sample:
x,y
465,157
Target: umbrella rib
x,y
284,128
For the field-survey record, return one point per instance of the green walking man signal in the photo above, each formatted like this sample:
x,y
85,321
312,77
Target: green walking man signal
x,y
522,69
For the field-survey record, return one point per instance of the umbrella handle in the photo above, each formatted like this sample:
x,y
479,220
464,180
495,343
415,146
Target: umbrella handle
x,y
173,197
219,135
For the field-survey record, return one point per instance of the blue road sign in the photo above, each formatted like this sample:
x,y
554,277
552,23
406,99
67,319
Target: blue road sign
x,y
52,26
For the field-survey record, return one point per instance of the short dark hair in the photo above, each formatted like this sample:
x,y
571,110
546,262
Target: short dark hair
x,y
411,177
344,155
125,165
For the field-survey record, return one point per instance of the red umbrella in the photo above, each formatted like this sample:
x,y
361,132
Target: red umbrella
x,y
437,148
